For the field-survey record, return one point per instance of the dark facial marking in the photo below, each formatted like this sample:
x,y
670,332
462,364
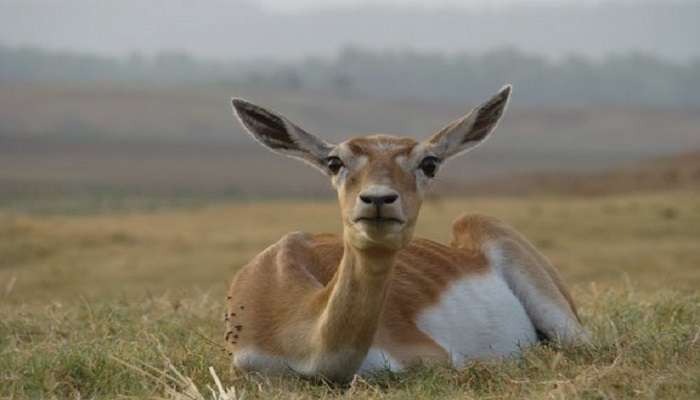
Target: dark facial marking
x,y
238,327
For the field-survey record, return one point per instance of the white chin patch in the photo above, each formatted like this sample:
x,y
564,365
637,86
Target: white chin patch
x,y
379,235
379,231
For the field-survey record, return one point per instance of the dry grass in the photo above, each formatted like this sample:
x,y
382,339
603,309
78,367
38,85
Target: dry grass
x,y
83,295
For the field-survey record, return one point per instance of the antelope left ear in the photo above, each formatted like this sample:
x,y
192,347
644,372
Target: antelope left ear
x,y
278,134
472,129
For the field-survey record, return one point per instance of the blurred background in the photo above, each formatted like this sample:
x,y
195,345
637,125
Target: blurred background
x,y
126,103
122,107
130,196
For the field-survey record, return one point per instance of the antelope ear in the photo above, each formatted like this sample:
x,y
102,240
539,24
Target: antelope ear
x,y
472,129
280,135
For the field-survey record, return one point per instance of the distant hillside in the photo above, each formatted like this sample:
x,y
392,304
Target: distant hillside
x,y
145,140
666,173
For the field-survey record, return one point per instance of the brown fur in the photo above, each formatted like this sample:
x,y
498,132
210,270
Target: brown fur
x,y
316,304
299,265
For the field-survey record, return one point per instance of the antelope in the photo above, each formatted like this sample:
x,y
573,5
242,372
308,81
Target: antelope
x,y
374,298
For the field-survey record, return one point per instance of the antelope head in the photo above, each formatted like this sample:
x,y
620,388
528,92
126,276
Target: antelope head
x,y
380,179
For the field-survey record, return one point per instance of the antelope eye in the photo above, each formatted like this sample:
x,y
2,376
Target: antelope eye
x,y
334,164
429,166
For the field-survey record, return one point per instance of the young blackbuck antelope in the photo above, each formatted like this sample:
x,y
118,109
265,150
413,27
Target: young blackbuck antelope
x,y
376,297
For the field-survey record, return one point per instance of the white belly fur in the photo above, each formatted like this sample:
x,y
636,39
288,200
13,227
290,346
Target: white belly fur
x,y
478,317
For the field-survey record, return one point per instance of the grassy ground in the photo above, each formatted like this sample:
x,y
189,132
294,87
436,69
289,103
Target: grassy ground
x,y
112,305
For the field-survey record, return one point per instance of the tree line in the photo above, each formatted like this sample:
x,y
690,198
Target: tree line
x,y
618,79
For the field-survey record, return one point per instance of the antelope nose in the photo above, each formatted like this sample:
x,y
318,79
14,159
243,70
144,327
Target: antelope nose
x,y
379,199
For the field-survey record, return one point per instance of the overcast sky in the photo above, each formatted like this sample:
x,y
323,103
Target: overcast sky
x,y
297,5
294,29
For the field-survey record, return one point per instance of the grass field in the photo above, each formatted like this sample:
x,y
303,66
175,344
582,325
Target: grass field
x,y
110,305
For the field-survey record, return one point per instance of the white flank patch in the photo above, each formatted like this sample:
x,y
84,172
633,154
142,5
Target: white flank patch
x,y
478,317
551,318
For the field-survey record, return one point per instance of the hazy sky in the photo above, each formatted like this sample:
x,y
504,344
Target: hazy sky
x,y
294,29
296,5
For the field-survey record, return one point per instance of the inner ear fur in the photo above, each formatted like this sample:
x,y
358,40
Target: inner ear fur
x,y
280,135
472,129
265,126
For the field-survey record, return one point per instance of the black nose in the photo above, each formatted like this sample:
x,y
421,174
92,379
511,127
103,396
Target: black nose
x,y
378,200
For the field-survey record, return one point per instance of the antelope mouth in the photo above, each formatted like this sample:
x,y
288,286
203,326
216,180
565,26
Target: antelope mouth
x,y
379,220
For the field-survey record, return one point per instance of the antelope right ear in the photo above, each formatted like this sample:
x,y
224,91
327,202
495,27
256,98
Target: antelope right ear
x,y
472,129
281,136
